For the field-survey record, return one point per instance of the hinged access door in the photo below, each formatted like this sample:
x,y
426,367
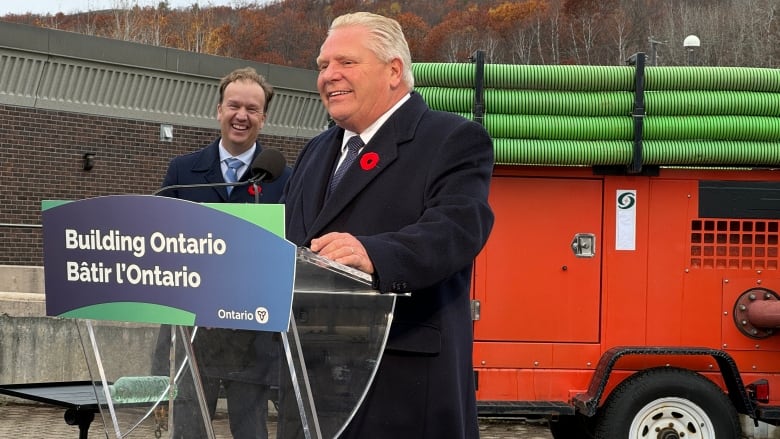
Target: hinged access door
x,y
532,284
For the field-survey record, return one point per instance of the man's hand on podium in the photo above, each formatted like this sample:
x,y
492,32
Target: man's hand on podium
x,y
345,249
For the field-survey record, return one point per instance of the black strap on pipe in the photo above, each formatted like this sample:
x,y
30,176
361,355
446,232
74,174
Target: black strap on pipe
x,y
478,58
638,113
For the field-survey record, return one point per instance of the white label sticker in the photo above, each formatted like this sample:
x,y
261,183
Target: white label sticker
x,y
625,220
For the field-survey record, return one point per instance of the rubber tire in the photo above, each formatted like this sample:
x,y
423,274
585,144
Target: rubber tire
x,y
675,397
572,427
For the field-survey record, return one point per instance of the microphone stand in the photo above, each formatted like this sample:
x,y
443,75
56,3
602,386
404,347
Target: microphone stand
x,y
188,338
256,188
252,181
267,159
198,185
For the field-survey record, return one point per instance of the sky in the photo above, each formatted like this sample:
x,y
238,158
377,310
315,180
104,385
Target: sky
x,y
43,7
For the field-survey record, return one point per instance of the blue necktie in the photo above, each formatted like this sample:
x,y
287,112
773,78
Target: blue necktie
x,y
353,148
231,175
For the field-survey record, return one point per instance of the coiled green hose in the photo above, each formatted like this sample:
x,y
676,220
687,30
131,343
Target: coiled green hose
x,y
565,103
709,103
515,126
540,77
713,78
748,128
765,129
583,115
561,152
597,78
614,152
616,103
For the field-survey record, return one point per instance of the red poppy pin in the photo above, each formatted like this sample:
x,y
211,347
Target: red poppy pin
x,y
252,190
369,161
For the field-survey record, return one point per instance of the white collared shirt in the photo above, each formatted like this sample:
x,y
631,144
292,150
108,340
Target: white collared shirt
x,y
369,132
245,157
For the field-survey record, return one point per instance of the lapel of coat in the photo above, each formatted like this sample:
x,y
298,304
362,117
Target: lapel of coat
x,y
207,165
376,157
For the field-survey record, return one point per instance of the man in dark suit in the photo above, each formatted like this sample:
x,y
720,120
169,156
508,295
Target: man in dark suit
x,y
243,363
411,210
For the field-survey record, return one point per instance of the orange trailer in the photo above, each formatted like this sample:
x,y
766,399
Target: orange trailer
x,y
633,298
601,301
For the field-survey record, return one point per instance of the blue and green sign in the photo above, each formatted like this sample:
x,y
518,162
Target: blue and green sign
x,y
142,258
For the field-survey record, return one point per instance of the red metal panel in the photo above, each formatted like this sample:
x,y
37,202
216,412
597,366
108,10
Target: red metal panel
x,y
530,284
542,328
676,308
531,385
536,355
735,285
625,271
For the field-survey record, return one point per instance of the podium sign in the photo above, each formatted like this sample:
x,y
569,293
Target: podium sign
x,y
155,260
148,259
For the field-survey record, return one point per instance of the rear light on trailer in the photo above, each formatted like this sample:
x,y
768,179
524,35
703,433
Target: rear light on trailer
x,y
759,390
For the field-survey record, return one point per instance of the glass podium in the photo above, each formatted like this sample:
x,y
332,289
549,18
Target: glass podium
x,y
314,376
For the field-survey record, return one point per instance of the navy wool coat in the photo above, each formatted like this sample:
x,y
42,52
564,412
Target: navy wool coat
x,y
248,356
417,199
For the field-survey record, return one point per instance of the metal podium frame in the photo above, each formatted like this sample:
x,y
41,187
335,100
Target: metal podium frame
x,y
338,330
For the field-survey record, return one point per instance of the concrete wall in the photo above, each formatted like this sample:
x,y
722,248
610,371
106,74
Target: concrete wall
x,y
71,72
131,106
35,348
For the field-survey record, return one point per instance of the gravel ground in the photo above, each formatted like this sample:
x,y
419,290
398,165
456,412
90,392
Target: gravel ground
x,y
43,421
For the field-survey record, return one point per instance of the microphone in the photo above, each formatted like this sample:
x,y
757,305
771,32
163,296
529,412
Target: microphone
x,y
266,167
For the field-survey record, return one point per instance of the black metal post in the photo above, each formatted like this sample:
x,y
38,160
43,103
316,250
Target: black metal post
x,y
638,113
479,86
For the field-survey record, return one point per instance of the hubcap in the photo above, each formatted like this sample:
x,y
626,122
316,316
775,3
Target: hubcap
x,y
671,418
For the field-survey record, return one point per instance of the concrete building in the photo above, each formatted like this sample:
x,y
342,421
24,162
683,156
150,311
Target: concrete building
x,y
81,117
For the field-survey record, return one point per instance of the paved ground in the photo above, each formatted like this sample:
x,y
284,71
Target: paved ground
x,y
25,421
513,429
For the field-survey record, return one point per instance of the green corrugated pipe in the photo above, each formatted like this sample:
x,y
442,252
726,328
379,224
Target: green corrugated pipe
x,y
690,123
561,152
748,128
520,126
454,100
710,152
552,77
597,78
706,103
538,77
450,75
712,78
569,103
610,153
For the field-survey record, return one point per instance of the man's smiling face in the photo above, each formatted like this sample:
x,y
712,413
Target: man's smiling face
x,y
240,115
355,86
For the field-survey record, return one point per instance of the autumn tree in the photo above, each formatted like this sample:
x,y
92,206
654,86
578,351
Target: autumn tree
x,y
460,34
415,31
516,23
585,27
289,32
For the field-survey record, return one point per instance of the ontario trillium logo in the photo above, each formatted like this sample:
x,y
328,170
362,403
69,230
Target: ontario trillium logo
x,y
261,315
626,200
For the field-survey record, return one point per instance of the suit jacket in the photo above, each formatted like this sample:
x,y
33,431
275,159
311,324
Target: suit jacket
x,y
203,166
416,198
249,356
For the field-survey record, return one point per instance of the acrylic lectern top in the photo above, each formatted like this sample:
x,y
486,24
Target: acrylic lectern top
x,y
324,362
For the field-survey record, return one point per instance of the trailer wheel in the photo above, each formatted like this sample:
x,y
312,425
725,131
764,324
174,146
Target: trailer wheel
x,y
572,427
668,403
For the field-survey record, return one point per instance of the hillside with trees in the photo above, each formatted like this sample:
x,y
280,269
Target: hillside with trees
x,y
593,32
